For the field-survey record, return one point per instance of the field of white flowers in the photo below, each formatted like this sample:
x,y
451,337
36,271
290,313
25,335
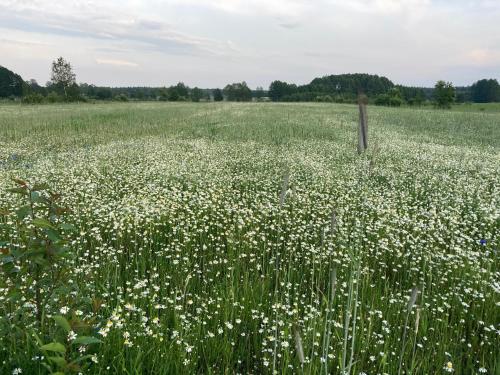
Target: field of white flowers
x,y
251,239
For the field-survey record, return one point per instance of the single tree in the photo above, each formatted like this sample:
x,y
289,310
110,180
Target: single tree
x,y
218,97
196,94
279,89
179,92
163,94
62,74
444,94
238,92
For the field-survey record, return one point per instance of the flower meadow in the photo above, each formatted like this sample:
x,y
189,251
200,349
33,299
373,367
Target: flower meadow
x,y
249,239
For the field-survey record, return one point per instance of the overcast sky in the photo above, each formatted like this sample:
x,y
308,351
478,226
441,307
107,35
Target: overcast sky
x,y
210,43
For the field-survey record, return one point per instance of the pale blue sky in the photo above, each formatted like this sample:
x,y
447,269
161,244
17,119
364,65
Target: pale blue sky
x,y
210,43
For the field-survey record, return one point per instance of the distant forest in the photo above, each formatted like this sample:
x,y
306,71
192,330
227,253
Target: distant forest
x,y
343,88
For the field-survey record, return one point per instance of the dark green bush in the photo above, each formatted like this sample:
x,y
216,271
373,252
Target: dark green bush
x,y
121,98
33,99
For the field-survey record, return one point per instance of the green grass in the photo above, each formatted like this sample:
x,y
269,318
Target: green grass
x,y
183,246
478,107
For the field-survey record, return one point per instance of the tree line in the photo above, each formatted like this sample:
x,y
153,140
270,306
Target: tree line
x,y
343,88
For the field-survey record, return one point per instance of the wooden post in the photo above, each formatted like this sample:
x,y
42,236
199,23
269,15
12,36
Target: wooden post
x,y
363,124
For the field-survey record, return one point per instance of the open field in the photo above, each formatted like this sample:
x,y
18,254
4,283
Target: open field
x,y
190,257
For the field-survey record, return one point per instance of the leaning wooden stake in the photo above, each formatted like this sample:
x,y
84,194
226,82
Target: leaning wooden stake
x,y
363,124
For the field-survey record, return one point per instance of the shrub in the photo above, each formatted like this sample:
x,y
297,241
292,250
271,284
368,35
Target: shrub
x,y
324,99
121,98
54,97
395,101
33,99
382,99
36,267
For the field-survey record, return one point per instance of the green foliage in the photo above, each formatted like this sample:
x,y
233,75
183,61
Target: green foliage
x,y
43,243
258,93
73,93
36,269
196,94
54,97
66,355
62,74
486,91
391,99
11,84
179,92
463,94
163,95
411,95
324,99
103,93
238,92
278,90
341,88
33,99
351,84
382,99
121,98
32,87
444,94
218,97
108,93
58,93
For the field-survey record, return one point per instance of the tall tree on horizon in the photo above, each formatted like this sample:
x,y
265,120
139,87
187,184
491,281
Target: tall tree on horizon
x,y
62,74
218,97
196,94
444,94
238,92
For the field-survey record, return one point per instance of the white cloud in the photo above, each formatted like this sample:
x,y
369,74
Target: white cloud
x,y
383,6
284,8
484,57
100,21
117,62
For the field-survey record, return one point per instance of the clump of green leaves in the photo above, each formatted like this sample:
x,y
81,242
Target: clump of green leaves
x,y
41,246
34,263
67,353
444,94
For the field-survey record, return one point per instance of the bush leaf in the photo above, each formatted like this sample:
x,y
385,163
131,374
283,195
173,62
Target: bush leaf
x,y
42,223
54,347
86,340
59,361
23,211
63,323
